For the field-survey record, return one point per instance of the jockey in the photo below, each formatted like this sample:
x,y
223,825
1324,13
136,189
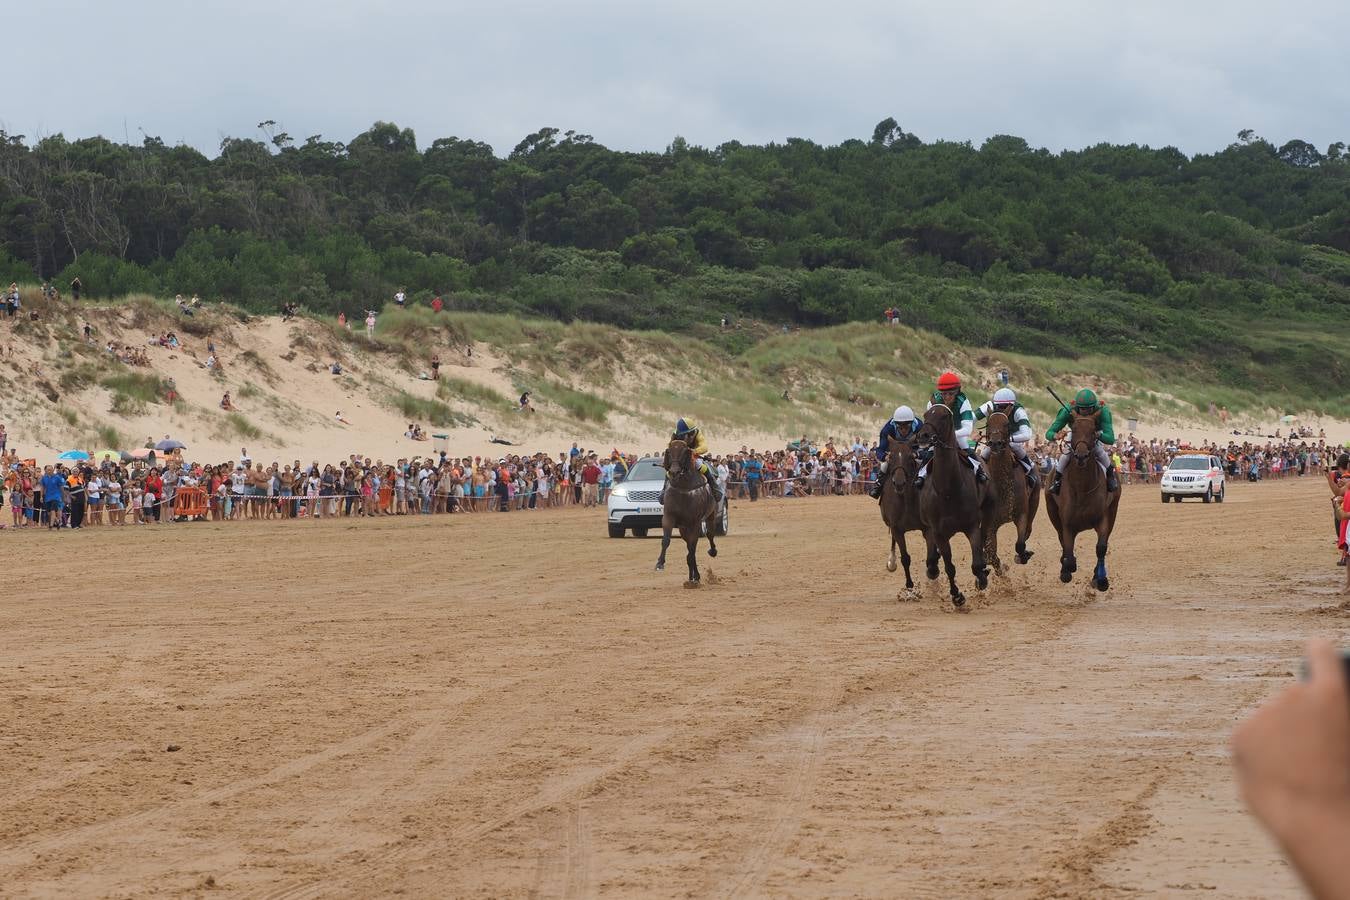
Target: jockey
x,y
902,427
949,394
1085,403
1005,401
687,430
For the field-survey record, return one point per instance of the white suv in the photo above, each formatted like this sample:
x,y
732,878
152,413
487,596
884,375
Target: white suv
x,y
1193,475
635,505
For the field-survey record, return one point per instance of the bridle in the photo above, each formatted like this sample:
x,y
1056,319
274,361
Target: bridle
x,y
1081,457
927,435
681,463
1001,443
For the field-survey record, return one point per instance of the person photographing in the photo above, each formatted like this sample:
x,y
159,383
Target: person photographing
x,y
1292,760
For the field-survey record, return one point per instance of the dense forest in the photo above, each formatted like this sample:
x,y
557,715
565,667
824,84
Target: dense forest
x,y
1235,263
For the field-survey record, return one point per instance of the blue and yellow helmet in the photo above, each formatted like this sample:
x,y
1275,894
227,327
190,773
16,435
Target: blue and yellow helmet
x,y
685,426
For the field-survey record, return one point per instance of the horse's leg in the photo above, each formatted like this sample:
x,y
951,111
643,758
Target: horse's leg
x,y
1067,564
691,541
991,549
1099,578
1026,514
978,567
904,560
932,560
958,598
890,561
665,542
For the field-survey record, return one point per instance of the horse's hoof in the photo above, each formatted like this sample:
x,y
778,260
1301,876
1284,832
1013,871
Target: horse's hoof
x,y
890,566
959,600
1065,576
660,567
932,573
690,585
712,551
1024,558
1103,584
982,582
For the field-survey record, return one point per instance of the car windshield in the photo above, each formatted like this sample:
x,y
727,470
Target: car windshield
x,y
1190,462
647,470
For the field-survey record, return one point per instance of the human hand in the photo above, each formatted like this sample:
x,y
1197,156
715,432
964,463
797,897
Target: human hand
x,y
1292,757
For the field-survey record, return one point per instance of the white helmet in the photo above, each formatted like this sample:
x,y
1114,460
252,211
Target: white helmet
x,y
1005,395
902,414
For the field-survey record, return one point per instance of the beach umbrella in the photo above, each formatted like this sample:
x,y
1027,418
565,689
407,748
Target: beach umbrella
x,y
73,456
170,445
112,454
140,453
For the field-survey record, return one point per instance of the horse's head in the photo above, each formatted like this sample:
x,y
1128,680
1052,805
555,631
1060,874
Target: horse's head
x,y
938,429
997,431
678,459
1082,435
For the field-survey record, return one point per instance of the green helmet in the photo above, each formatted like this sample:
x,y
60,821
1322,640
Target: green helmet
x,y
1086,400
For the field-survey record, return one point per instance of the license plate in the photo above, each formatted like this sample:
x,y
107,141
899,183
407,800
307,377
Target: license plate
x,y
651,510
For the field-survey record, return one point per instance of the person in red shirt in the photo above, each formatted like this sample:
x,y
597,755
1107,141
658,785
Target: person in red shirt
x,y
436,304
590,481
155,485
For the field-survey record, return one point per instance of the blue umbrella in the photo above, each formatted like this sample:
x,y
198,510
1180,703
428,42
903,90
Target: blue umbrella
x,y
73,456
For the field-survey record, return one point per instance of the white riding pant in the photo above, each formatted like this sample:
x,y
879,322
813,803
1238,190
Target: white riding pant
x,y
1019,451
974,464
1099,450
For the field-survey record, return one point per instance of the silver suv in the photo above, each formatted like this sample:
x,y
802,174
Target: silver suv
x,y
635,505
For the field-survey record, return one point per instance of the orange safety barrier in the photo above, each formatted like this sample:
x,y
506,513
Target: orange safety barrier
x,y
189,502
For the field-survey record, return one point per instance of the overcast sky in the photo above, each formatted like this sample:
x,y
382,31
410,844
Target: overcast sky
x,y
634,74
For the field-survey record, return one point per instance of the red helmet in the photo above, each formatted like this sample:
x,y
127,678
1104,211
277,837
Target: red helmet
x,y
949,381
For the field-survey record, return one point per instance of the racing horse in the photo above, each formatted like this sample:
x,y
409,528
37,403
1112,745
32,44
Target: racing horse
x,y
1084,503
689,506
900,503
951,502
1017,500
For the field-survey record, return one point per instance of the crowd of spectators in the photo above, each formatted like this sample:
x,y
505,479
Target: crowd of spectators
x,y
150,490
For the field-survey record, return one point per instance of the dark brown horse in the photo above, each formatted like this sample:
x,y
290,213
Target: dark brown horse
x,y
1084,503
900,503
951,502
1017,501
689,506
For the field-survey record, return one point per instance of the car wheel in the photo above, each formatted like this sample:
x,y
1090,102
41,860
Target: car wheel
x,y
615,531
639,532
1218,498
1209,494
1164,496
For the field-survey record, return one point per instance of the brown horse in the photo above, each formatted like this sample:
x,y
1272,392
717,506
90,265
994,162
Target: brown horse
x,y
951,502
900,503
689,506
1018,501
1084,503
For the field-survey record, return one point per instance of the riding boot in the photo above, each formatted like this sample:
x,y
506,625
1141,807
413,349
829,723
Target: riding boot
x,y
716,488
874,490
1033,480
661,497
918,482
981,476
1112,482
1054,487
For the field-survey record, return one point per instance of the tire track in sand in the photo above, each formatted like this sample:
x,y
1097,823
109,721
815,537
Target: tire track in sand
x,y
788,818
559,793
